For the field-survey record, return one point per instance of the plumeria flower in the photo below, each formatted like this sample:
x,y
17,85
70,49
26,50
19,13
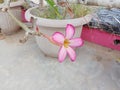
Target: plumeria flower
x,y
67,43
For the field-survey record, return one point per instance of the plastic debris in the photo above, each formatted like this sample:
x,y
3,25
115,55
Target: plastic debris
x,y
107,19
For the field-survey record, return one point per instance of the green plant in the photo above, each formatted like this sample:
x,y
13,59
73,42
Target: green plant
x,y
80,10
13,0
60,12
53,8
64,10
1,1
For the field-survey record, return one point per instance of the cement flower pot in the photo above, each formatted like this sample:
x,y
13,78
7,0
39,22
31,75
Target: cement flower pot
x,y
49,26
7,24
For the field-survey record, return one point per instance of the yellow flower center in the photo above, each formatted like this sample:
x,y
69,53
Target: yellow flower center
x,y
66,43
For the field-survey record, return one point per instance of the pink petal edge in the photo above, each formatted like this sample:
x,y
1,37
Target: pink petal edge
x,y
62,54
58,37
71,53
76,42
70,31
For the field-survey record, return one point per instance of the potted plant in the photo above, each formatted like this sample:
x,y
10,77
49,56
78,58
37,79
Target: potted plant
x,y
56,22
7,24
61,31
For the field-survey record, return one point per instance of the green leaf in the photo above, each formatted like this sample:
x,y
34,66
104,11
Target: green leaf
x,y
53,6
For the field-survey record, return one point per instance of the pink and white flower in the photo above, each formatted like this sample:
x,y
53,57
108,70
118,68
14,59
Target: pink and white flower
x,y
67,43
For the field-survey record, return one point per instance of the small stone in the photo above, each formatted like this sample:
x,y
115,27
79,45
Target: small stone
x,y
2,36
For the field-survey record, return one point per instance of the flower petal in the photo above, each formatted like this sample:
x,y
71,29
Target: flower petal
x,y
71,53
76,42
62,54
58,37
70,30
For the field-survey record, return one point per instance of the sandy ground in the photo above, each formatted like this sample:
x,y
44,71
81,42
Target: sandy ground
x,y
25,67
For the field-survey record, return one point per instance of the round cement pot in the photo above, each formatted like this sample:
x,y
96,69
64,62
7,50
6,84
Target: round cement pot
x,y
49,26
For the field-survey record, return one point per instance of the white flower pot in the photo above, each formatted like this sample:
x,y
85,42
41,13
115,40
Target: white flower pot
x,y
49,26
7,24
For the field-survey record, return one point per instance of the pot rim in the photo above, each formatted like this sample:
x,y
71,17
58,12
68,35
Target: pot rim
x,y
13,4
57,23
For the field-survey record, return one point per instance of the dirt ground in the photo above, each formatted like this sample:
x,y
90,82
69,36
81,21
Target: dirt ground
x,y
25,67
